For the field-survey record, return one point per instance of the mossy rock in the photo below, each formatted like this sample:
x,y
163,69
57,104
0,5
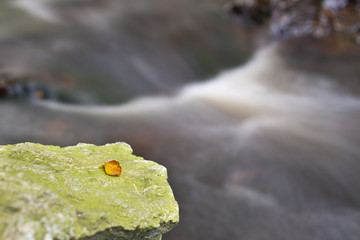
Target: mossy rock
x,y
48,192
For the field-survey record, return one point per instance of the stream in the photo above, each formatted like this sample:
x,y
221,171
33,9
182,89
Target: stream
x,y
261,138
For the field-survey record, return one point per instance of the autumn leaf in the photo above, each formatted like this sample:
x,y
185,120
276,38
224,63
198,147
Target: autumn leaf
x,y
112,168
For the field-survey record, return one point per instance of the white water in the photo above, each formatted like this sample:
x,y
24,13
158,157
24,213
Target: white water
x,y
259,152
37,9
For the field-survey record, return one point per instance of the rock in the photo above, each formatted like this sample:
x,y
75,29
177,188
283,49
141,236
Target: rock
x,y
48,192
294,18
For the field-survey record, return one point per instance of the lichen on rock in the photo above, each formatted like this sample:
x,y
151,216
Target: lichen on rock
x,y
48,192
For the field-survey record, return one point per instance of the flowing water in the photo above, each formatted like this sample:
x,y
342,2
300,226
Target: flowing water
x,y
262,151
266,150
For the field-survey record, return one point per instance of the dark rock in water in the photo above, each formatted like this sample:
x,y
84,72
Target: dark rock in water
x,y
25,88
317,18
48,192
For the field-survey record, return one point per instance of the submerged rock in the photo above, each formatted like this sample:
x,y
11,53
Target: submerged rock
x,y
48,192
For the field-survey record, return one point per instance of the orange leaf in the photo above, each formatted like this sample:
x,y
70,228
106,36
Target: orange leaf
x,y
112,168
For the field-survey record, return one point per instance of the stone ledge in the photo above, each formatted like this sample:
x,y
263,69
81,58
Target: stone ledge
x,y
48,192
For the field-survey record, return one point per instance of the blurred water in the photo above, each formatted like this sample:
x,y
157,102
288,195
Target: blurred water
x,y
268,150
112,51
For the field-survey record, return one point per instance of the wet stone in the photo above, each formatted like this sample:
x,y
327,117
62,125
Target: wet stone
x,y
48,192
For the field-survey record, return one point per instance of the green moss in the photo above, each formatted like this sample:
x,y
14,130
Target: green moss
x,y
48,192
